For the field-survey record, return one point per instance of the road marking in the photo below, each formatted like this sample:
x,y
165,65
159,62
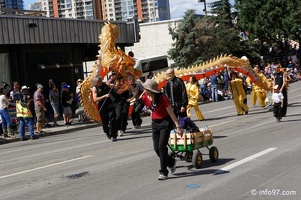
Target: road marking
x,y
221,123
224,108
43,167
233,165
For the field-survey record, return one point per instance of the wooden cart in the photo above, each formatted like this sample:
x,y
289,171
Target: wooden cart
x,y
187,147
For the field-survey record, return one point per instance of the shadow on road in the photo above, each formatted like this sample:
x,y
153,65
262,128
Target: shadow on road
x,y
203,170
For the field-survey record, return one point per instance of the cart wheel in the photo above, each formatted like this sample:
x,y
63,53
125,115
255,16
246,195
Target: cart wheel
x,y
213,154
197,159
188,156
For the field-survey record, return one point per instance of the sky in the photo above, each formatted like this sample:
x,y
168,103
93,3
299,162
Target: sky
x,y
177,7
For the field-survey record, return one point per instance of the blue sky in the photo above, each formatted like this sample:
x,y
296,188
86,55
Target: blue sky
x,y
177,7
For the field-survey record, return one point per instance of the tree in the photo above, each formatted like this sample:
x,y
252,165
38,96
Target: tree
x,y
201,39
270,23
186,46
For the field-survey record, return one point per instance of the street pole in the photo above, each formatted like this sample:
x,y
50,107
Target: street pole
x,y
205,9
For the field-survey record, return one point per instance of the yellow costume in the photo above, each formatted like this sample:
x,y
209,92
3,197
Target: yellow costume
x,y
253,94
258,93
238,96
193,93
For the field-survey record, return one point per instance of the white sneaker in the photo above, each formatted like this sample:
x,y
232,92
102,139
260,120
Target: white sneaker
x,y
173,168
120,133
162,177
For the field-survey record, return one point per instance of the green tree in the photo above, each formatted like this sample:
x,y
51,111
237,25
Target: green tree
x,y
270,22
198,39
185,49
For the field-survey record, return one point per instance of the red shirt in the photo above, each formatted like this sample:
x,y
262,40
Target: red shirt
x,y
160,111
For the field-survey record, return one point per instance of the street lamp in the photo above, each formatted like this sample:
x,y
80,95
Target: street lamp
x,y
205,10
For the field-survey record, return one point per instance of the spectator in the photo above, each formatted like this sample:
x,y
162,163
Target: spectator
x,y
40,109
25,115
214,87
5,118
15,93
66,101
81,117
54,102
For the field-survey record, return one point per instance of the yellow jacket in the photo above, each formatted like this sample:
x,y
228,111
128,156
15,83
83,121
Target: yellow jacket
x,y
22,111
193,93
237,88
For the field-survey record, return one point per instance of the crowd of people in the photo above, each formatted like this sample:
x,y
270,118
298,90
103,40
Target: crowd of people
x,y
29,109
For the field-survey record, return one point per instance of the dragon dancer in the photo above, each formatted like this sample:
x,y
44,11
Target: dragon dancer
x,y
257,92
238,94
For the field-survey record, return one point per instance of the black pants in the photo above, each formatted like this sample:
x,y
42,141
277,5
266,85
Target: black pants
x,y
124,115
284,108
115,118
161,132
104,114
177,111
277,111
137,109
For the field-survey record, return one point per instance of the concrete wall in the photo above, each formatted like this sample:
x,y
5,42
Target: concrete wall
x,y
155,40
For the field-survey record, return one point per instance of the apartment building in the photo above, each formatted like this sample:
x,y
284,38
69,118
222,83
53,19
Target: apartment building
x,y
113,10
12,4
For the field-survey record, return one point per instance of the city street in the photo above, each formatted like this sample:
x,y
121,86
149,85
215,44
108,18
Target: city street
x,y
258,159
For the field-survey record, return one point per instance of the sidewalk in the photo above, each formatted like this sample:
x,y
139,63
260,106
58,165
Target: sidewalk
x,y
54,130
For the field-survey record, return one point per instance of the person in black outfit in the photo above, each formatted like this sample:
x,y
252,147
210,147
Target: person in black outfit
x,y
279,79
176,92
116,105
126,98
101,95
138,104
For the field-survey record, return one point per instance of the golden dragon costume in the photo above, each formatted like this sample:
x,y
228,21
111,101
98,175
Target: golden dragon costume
x,y
109,59
114,59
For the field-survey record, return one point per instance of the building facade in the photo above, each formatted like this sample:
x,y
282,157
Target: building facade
x,y
112,10
12,4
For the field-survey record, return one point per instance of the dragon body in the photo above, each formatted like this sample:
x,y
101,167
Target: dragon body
x,y
241,65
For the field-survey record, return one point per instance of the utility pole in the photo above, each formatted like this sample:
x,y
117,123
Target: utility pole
x,y
205,9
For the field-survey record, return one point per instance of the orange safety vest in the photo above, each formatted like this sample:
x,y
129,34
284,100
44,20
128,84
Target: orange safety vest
x,y
22,111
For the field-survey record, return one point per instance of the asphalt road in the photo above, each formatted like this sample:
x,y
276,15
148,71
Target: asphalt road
x,y
258,159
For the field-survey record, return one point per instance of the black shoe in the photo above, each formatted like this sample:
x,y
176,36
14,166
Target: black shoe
x,y
23,139
114,139
35,137
246,112
109,137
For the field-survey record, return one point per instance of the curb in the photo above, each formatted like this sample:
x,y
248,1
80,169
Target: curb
x,y
66,129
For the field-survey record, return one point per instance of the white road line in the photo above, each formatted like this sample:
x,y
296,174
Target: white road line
x,y
224,108
51,165
221,123
233,165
